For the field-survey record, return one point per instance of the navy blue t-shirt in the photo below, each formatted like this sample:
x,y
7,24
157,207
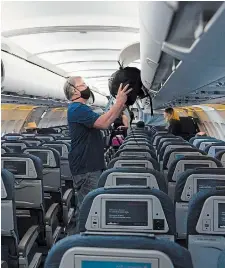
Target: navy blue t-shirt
x,y
87,147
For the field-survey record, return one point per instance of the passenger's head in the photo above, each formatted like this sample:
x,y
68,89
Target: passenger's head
x,y
170,113
201,134
31,127
75,89
140,124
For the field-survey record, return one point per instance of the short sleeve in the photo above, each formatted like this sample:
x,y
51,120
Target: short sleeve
x,y
82,114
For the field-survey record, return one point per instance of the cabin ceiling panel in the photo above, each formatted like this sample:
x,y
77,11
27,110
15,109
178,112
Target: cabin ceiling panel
x,y
74,35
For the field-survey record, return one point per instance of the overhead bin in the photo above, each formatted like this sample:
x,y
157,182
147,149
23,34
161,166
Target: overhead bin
x,y
130,54
24,78
155,20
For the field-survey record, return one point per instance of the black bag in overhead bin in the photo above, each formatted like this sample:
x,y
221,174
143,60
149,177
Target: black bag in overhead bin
x,y
127,75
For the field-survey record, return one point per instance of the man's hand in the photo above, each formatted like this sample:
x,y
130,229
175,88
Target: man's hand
x,y
122,94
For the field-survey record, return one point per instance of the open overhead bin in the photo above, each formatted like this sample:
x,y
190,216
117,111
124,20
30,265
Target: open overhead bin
x,y
155,20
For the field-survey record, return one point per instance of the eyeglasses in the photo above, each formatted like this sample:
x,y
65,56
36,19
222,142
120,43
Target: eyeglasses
x,y
77,87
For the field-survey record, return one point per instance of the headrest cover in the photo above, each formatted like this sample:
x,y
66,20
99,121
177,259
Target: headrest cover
x,y
128,75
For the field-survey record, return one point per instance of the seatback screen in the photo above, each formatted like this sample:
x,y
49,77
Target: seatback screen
x,y
179,156
132,165
114,264
127,213
42,155
131,181
15,167
221,215
204,184
193,166
15,148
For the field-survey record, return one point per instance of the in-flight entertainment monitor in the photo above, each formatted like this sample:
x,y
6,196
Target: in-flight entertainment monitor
x,y
126,213
15,167
122,181
207,184
193,166
15,148
221,216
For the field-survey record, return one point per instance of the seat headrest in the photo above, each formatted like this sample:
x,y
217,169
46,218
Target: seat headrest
x,y
195,163
136,161
12,136
165,204
127,149
35,151
196,205
126,171
16,142
210,172
179,256
179,150
7,185
13,157
220,154
45,137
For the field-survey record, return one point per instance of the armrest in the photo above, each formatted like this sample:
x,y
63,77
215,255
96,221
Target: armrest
x,y
28,240
4,264
67,197
51,214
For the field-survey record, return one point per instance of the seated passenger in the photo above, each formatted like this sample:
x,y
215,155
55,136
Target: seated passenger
x,y
173,119
140,124
86,157
31,128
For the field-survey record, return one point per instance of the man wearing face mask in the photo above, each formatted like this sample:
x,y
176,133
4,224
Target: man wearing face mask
x,y
86,157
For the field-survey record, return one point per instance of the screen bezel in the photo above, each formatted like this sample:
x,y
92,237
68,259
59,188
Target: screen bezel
x,y
216,212
149,225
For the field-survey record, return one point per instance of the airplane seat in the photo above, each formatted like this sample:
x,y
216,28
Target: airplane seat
x,y
133,145
4,264
221,260
189,183
45,137
33,141
28,135
197,141
63,148
169,145
5,150
135,152
17,250
117,251
177,153
138,178
221,157
187,162
194,139
133,162
13,136
15,146
30,203
165,140
158,137
214,148
206,227
53,186
202,144
126,211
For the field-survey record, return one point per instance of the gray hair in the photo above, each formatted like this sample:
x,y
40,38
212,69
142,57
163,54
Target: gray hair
x,y
69,87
